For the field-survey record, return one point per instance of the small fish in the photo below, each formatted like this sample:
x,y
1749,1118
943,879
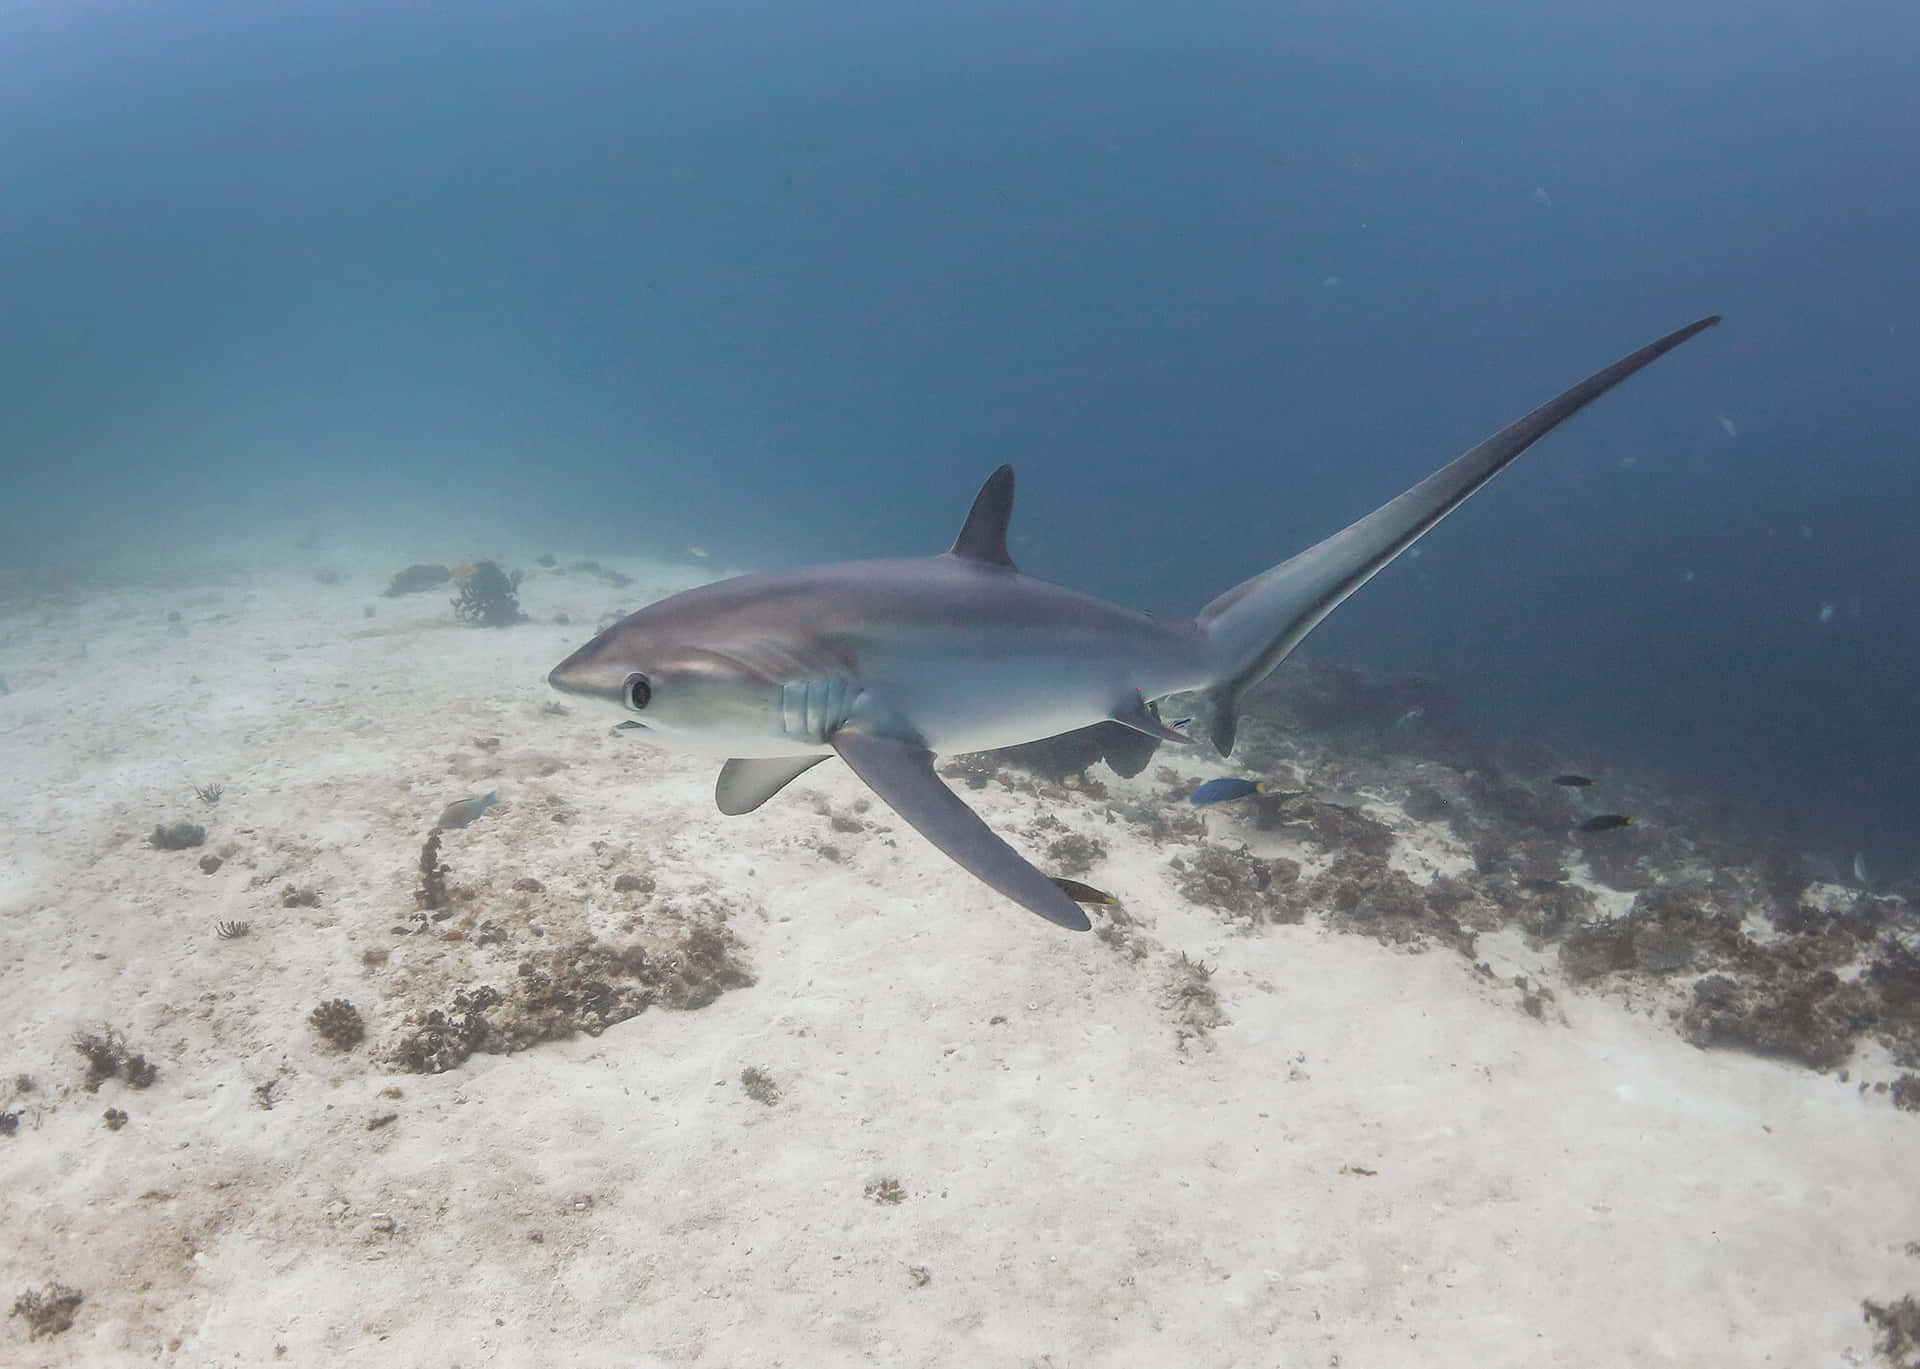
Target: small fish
x,y
1605,822
1225,790
1082,893
1542,886
698,553
1826,613
461,813
629,728
1409,718
1860,869
1572,781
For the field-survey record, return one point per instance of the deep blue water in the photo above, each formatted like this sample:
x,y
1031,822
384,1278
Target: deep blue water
x,y
1216,278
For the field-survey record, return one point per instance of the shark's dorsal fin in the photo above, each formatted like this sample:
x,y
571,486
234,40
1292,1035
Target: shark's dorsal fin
x,y
984,538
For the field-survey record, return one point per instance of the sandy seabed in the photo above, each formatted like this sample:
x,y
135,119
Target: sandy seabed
x,y
963,1137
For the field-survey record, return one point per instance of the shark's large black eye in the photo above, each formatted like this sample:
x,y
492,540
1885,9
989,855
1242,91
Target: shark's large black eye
x,y
639,693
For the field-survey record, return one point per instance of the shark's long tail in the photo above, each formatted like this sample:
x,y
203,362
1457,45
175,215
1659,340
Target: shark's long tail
x,y
1253,626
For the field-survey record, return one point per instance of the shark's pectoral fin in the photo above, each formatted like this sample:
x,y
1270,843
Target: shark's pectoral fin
x,y
746,784
901,773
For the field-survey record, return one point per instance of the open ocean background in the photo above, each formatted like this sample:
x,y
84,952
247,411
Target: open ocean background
x,y
789,280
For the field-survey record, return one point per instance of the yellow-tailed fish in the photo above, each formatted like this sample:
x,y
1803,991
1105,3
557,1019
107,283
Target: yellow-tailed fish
x,y
1226,790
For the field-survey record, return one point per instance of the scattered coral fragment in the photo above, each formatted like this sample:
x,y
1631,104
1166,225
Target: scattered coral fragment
x,y
339,1023
48,1310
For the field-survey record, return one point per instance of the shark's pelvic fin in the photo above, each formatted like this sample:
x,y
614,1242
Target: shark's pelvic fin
x,y
1144,718
746,784
902,775
1125,751
1253,626
984,537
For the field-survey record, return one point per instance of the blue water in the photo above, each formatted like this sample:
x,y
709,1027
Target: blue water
x,y
1217,280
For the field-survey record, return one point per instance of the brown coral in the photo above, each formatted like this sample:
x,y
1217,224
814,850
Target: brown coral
x,y
339,1023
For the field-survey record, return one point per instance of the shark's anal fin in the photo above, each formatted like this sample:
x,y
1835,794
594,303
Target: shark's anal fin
x,y
901,773
746,784
984,536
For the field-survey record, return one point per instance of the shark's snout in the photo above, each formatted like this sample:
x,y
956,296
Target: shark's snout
x,y
588,674
568,679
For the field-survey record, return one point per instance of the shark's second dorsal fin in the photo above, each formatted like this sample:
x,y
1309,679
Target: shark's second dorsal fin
x,y
984,538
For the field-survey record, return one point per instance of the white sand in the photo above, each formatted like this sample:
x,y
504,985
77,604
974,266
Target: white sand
x,y
1080,1189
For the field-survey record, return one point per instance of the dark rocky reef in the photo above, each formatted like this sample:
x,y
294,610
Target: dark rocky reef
x,y
489,597
177,836
416,578
47,1311
584,987
1792,996
1246,887
1898,1344
1813,1019
1074,855
432,893
1361,893
108,1056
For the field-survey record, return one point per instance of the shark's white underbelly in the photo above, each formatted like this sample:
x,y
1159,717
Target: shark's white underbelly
x,y
998,693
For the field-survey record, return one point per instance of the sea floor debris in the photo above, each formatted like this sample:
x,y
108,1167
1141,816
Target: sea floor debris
x,y
583,987
47,1310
